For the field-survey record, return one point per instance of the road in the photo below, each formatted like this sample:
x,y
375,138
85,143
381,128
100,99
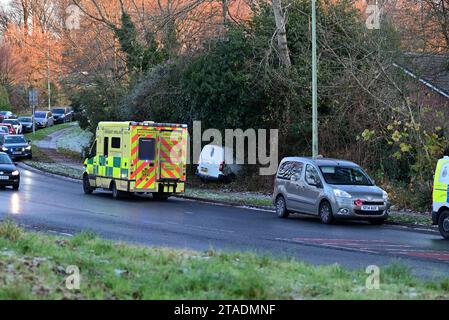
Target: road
x,y
54,204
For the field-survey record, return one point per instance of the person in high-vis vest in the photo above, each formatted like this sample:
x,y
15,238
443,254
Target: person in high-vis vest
x,y
440,213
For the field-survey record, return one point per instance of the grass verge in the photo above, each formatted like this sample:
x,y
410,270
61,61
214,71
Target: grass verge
x,y
42,133
57,168
33,266
240,198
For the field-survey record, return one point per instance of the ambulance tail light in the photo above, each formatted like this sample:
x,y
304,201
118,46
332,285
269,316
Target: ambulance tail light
x,y
222,167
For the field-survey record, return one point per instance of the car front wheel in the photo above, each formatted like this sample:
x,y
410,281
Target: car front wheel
x,y
281,208
325,213
443,224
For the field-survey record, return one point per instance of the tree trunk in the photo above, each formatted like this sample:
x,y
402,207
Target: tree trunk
x,y
281,33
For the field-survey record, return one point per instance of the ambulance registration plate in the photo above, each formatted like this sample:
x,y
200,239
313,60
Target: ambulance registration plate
x,y
370,208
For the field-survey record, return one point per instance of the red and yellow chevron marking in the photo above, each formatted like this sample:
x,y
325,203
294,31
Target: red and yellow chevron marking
x,y
170,171
171,155
146,178
137,166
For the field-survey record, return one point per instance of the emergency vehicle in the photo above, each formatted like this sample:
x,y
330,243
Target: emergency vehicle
x,y
137,157
440,213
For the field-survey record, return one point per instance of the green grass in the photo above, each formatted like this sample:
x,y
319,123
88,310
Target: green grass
x,y
33,266
241,198
42,133
57,168
408,218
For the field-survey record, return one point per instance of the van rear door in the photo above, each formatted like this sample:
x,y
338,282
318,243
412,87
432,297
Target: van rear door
x,y
144,155
170,156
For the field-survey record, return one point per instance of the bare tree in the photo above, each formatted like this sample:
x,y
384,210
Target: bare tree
x,y
279,17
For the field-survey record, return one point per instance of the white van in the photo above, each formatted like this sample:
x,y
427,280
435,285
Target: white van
x,y
216,164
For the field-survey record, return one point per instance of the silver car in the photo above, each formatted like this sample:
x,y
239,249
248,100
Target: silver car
x,y
328,188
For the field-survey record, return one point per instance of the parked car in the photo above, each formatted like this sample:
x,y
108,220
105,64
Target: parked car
x,y
62,115
329,188
27,123
4,130
9,174
11,129
72,114
15,124
17,147
2,139
44,119
216,164
6,114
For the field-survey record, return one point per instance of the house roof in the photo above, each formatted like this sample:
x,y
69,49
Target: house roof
x,y
430,69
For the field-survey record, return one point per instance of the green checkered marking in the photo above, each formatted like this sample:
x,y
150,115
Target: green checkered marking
x,y
109,171
124,172
102,161
117,162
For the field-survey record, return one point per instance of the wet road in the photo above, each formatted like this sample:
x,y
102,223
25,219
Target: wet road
x,y
59,205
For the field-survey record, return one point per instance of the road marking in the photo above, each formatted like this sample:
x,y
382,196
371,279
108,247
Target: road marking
x,y
374,246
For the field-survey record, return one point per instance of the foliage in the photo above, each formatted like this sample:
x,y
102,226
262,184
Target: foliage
x,y
4,99
97,102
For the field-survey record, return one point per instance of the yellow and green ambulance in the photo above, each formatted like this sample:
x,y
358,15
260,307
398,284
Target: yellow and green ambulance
x,y
137,157
440,213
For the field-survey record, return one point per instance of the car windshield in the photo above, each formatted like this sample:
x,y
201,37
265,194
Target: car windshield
x,y
15,139
10,121
4,129
3,113
345,176
4,159
58,111
40,114
25,119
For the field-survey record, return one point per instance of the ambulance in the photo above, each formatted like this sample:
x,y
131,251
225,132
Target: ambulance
x,y
440,212
137,157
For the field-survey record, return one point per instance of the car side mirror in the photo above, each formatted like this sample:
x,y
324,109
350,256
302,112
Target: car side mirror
x,y
29,141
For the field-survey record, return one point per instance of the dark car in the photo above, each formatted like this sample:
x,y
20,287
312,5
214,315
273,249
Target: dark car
x,y
17,147
27,124
9,175
61,115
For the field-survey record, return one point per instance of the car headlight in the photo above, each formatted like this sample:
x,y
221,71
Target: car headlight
x,y
4,149
28,148
341,194
385,196
15,173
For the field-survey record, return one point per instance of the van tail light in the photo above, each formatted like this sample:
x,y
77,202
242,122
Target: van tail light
x,y
221,166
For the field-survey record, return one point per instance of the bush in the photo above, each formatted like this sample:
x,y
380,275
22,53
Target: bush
x,y
5,104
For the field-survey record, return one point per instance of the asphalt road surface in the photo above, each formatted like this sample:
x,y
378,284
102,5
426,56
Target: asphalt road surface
x,y
54,204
